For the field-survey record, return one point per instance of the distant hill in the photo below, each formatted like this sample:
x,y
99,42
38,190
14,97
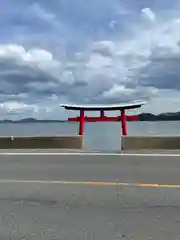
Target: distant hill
x,y
142,116
31,120
160,117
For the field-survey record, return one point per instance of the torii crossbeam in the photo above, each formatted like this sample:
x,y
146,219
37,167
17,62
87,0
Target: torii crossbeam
x,y
102,118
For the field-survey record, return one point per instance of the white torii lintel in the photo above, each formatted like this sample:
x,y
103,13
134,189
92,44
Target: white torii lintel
x,y
105,107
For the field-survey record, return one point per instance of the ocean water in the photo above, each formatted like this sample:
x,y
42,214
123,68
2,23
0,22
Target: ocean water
x,y
101,136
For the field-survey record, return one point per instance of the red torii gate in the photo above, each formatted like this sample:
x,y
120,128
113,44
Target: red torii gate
x,y
102,118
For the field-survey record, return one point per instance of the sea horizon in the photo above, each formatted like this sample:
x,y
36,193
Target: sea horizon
x,y
143,116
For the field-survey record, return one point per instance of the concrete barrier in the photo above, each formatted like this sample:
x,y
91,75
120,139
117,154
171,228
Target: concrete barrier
x,y
150,142
59,142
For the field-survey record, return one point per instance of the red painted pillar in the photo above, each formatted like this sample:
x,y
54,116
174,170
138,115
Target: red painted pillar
x,y
102,113
123,122
81,123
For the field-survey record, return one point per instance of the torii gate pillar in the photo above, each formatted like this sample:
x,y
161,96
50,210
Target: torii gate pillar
x,y
123,122
81,123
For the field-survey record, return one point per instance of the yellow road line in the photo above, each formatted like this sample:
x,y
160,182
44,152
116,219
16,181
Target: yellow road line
x,y
158,185
93,183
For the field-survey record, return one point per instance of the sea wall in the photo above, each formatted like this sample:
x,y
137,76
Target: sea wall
x,y
77,142
59,142
150,142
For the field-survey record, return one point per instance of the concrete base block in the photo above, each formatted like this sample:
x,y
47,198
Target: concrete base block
x,y
64,142
150,142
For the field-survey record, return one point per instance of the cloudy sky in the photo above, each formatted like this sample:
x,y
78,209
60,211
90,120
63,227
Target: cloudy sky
x,y
88,51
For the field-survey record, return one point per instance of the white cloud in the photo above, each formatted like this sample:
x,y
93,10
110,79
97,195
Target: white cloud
x,y
98,61
117,90
106,48
14,105
143,64
148,14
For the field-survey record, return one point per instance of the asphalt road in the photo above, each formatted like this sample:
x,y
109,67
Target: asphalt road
x,y
36,204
